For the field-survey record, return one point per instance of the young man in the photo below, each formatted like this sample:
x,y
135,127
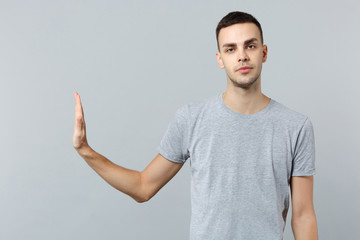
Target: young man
x,y
245,150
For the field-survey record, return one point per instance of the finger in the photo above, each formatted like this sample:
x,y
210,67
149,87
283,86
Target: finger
x,y
77,105
78,109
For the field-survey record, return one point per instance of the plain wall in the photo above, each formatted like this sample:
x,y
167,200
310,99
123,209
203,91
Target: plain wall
x,y
134,63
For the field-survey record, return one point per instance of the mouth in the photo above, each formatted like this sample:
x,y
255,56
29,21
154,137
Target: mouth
x,y
244,69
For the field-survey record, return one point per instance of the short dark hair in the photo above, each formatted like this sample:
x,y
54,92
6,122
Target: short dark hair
x,y
234,18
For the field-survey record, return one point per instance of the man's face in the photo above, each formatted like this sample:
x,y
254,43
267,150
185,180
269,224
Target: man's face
x,y
240,45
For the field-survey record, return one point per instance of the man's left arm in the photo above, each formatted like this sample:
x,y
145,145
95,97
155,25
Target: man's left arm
x,y
303,220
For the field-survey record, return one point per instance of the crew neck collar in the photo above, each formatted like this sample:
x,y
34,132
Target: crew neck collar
x,y
241,115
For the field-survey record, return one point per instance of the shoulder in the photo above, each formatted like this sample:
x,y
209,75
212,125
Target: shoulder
x,y
287,116
194,108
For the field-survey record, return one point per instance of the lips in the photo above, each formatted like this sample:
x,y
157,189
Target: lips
x,y
244,69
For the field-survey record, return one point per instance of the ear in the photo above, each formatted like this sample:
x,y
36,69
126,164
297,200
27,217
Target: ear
x,y
219,60
265,52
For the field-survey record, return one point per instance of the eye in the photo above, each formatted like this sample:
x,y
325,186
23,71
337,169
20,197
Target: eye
x,y
230,50
252,45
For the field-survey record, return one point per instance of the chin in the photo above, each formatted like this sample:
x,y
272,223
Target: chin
x,y
243,83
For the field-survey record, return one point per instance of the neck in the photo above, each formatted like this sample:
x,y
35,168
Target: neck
x,y
245,101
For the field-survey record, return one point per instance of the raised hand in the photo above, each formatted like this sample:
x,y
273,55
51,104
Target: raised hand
x,y
141,186
79,137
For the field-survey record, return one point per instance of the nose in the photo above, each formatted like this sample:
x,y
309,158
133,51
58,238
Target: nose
x,y
243,57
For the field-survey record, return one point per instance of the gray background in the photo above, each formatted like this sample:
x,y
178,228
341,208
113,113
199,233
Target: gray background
x,y
133,64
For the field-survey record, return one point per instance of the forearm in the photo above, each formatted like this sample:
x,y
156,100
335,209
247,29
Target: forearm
x,y
123,179
305,227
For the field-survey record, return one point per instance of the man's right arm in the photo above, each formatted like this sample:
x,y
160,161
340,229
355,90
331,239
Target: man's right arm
x,y
141,186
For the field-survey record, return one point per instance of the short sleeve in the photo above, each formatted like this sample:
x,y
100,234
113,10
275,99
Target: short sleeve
x,y
304,154
173,145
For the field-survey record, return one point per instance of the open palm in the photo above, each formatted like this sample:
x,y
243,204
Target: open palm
x,y
79,137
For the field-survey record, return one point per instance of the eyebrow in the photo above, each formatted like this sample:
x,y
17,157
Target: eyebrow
x,y
245,43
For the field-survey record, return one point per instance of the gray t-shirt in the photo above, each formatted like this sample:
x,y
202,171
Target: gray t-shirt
x,y
241,165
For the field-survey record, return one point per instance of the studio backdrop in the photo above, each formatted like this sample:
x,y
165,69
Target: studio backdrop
x,y
134,63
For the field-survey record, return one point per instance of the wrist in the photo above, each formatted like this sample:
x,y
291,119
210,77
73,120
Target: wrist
x,y
84,151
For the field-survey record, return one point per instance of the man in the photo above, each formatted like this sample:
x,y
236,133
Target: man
x,y
245,150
